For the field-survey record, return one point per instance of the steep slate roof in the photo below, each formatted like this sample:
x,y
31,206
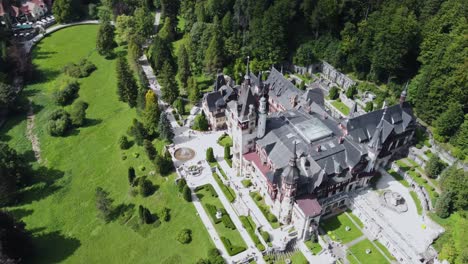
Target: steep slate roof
x,y
246,98
397,118
214,101
281,89
334,156
313,96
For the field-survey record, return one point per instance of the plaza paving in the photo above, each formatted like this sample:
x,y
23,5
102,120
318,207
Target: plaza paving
x,y
411,234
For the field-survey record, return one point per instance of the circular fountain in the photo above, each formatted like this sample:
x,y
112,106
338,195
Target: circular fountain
x,y
394,201
184,154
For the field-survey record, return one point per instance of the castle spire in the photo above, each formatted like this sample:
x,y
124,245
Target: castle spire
x,y
247,72
403,94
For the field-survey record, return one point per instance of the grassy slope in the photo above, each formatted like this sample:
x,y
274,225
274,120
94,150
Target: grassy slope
x,y
64,220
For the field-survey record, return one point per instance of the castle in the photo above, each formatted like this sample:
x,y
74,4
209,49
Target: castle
x,y
304,161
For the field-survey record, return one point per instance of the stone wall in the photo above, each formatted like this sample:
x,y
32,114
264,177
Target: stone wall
x,y
328,71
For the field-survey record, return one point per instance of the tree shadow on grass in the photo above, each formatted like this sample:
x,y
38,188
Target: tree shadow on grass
x,y
331,224
38,54
19,213
92,122
43,75
53,247
43,184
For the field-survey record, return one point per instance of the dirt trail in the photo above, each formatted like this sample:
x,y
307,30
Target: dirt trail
x,y
30,133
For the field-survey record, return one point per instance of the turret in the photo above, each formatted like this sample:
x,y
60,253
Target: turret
x,y
403,96
262,116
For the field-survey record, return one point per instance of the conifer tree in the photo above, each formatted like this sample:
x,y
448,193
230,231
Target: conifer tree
x,y
127,88
183,64
193,90
167,32
213,56
138,132
150,150
131,176
151,113
165,128
169,89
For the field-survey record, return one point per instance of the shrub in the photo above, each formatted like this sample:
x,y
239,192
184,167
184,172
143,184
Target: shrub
x,y
185,236
265,236
145,187
59,122
124,143
187,194
78,113
351,92
181,184
444,205
418,146
369,107
227,152
66,92
179,105
200,123
247,183
164,214
272,218
232,250
209,155
434,166
227,221
83,69
212,212
333,93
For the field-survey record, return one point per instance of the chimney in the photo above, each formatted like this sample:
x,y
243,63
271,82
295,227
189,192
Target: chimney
x,y
319,148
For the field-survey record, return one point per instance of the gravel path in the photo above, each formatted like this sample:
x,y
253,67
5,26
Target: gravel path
x,y
36,147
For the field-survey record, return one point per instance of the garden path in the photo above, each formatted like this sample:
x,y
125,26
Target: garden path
x,y
31,135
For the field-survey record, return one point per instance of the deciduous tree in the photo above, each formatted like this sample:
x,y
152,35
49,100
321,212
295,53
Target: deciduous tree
x,y
105,43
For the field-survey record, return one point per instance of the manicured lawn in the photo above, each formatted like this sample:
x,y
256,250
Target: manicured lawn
x,y
335,227
356,219
385,250
341,107
63,216
265,209
250,226
206,197
417,202
228,191
313,246
359,251
399,178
